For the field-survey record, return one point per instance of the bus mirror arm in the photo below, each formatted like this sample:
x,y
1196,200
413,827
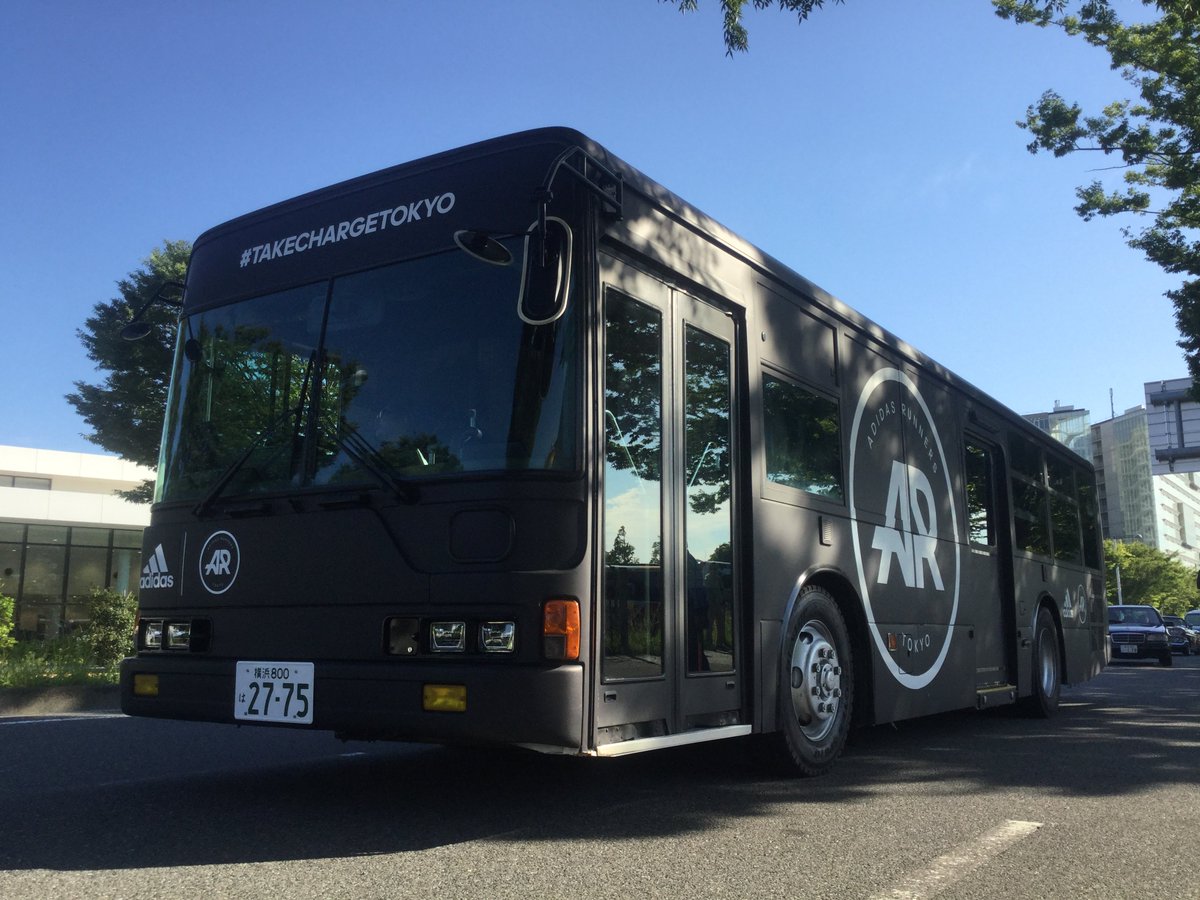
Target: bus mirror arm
x,y
592,174
137,327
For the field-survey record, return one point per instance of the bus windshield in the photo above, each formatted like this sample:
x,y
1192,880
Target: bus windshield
x,y
413,370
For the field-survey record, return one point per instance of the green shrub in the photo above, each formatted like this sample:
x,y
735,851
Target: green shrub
x,y
109,633
7,605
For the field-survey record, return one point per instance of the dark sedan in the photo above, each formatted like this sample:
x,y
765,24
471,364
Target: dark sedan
x,y
1138,632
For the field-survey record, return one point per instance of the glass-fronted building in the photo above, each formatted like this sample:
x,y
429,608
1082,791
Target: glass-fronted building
x,y
1159,510
63,531
1067,425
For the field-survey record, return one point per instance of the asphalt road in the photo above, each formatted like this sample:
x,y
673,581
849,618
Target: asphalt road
x,y
1104,801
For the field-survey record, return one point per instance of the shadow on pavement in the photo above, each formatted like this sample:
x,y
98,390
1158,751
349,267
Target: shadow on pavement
x,y
168,802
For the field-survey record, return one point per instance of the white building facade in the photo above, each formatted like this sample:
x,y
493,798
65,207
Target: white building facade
x,y
63,531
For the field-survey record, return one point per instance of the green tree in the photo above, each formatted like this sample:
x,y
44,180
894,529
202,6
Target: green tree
x,y
1150,576
1153,141
622,553
109,631
125,410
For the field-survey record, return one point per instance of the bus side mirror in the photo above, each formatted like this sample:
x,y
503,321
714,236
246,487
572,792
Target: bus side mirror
x,y
545,272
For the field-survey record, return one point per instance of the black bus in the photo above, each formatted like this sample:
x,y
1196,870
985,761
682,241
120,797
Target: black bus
x,y
512,445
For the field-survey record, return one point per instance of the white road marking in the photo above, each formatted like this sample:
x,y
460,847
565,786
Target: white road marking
x,y
951,867
77,717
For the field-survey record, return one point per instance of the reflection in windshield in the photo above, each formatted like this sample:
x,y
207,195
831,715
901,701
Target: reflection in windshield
x,y
1132,615
413,370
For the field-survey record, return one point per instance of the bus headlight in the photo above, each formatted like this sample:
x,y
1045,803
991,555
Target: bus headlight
x,y
498,637
448,637
179,635
152,635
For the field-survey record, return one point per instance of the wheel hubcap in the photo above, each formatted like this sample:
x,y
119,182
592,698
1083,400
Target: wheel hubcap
x,y
816,680
1049,666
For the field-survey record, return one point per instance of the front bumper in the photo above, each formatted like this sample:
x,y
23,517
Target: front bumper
x,y
541,706
1121,650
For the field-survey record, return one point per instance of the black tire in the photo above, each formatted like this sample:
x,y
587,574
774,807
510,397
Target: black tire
x,y
816,684
1166,661
1047,668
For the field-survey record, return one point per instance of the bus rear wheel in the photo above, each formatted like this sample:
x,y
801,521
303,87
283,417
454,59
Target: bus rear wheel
x,y
1047,668
816,696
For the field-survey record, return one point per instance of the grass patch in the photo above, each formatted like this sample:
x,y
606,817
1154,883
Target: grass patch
x,y
54,663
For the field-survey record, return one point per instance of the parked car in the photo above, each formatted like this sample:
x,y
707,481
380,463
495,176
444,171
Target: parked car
x,y
1193,619
1138,632
1184,638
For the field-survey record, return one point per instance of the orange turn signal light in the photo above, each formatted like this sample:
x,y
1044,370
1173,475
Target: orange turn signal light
x,y
560,629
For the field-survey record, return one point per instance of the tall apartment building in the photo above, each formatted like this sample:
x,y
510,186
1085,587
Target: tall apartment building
x,y
1121,454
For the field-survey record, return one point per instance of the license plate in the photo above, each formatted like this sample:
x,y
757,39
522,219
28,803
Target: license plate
x,y
274,692
1127,648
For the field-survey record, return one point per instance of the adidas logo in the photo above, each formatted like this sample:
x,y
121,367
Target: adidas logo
x,y
154,573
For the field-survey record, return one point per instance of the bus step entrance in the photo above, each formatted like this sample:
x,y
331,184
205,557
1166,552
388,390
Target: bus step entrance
x,y
997,695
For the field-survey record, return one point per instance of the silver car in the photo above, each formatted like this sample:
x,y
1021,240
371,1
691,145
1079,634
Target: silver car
x,y
1184,638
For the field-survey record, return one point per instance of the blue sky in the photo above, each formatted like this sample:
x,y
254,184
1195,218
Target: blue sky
x,y
873,149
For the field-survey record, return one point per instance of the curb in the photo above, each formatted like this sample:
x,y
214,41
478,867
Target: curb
x,y
54,700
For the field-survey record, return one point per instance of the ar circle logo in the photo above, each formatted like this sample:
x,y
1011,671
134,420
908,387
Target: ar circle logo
x,y
219,562
905,527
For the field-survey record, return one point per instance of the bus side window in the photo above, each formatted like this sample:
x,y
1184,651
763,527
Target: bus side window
x,y
981,502
1064,510
1089,514
1029,497
803,439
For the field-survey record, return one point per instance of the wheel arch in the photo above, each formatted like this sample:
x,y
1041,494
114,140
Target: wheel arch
x,y
1047,602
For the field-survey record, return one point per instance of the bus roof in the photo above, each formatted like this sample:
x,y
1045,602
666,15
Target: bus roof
x,y
529,155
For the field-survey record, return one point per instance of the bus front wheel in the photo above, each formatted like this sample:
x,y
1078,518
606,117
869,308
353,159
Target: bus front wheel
x,y
816,695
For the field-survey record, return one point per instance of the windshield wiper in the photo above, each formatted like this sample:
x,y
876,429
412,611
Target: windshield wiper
x,y
202,508
362,452
233,468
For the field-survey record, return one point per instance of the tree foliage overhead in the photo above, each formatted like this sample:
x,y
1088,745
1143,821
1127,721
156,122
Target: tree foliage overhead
x,y
1154,141
737,39
125,409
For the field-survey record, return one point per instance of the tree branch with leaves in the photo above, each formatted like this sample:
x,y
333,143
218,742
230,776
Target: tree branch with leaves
x,y
737,38
1154,140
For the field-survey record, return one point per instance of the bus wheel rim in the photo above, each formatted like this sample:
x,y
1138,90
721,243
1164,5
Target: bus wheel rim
x,y
816,680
